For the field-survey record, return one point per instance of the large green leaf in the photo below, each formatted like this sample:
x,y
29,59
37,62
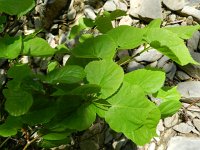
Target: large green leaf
x,y
16,7
127,37
184,32
80,119
98,47
53,143
56,135
169,44
10,47
17,102
151,80
138,115
154,24
67,74
37,47
107,74
10,127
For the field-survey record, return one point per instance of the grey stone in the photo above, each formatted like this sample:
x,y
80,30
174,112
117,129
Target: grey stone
x,y
189,90
65,58
196,123
172,70
2,77
182,75
191,69
172,18
149,56
118,144
133,65
162,61
25,59
171,121
160,126
192,2
146,9
109,6
193,42
89,12
189,20
153,64
191,11
122,53
183,143
37,22
183,128
174,4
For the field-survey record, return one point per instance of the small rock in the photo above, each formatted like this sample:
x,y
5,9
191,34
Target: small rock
x,y
193,42
146,9
152,146
160,126
162,61
171,121
109,6
133,65
71,15
189,20
189,90
89,12
183,143
37,22
183,128
153,64
2,77
126,20
118,144
172,18
191,11
196,123
120,5
65,58
168,134
122,53
25,59
182,75
149,56
174,5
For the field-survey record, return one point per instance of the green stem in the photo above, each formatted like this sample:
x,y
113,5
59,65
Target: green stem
x,y
4,142
132,57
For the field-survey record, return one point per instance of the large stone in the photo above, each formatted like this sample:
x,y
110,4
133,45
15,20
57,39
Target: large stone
x,y
174,4
146,9
183,143
191,11
196,123
193,42
109,6
149,56
193,70
189,90
183,128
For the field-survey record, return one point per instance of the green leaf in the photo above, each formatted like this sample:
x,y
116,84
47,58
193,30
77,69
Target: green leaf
x,y
170,45
37,47
150,80
56,135
80,119
184,32
117,13
127,37
19,71
10,47
168,108
103,24
16,7
98,47
52,65
170,103
138,115
168,93
17,102
39,116
107,74
10,127
67,74
154,24
86,89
